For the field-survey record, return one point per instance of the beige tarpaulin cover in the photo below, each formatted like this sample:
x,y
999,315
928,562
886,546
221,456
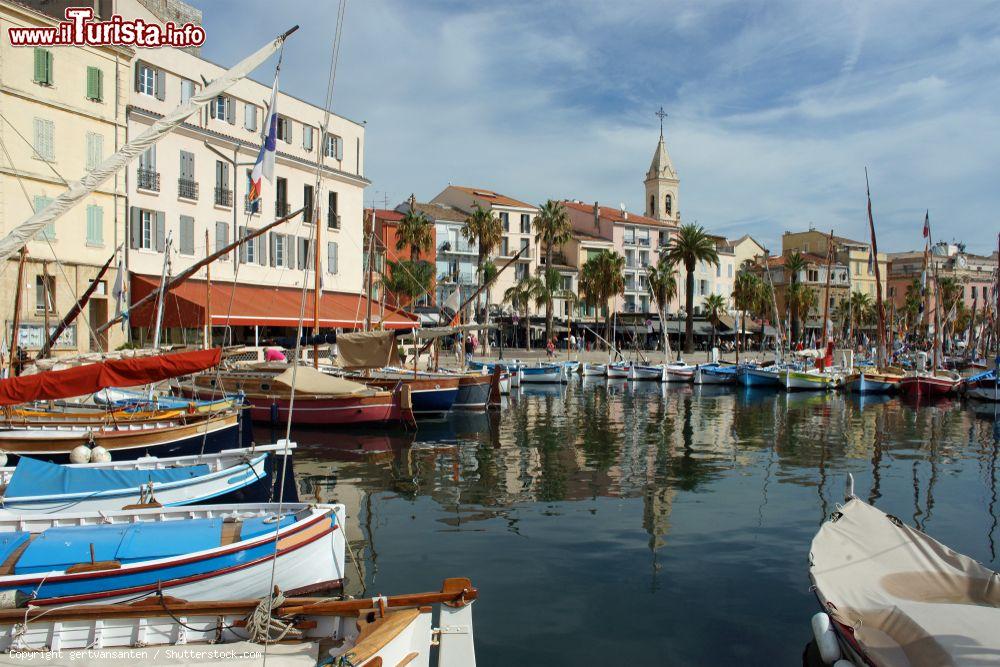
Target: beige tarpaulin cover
x,y
912,600
368,349
308,380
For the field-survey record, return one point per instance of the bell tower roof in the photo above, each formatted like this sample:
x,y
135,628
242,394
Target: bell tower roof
x,y
661,166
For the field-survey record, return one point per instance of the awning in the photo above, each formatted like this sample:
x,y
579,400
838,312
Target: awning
x,y
257,305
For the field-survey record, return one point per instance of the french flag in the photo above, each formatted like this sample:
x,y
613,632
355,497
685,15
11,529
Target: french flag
x,y
264,166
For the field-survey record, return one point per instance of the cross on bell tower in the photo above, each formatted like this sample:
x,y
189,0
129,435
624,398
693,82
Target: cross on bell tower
x,y
662,184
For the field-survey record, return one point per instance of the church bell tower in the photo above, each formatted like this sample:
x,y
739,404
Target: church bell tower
x,y
662,184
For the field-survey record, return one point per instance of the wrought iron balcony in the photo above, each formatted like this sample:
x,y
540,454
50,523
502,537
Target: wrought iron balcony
x,y
223,197
332,219
148,180
187,188
281,208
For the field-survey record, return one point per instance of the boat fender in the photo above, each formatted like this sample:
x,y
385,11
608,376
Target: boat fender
x,y
80,454
826,639
100,455
3,458
274,413
844,663
13,599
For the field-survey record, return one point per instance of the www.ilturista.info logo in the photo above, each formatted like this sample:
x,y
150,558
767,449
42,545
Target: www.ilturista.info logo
x,y
79,29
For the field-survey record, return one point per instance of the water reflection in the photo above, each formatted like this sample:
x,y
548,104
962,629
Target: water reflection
x,y
702,499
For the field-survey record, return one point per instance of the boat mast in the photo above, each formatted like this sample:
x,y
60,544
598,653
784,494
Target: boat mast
x,y
16,325
368,275
826,300
77,308
162,291
879,307
208,298
316,286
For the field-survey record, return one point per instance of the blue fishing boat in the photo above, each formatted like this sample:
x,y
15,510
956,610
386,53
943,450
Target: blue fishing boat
x,y
195,553
759,377
543,373
715,374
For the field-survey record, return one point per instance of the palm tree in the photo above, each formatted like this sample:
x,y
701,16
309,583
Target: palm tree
x,y
691,245
490,272
801,299
661,281
552,228
762,306
862,311
913,302
795,263
519,297
715,305
415,231
486,230
408,278
745,294
602,279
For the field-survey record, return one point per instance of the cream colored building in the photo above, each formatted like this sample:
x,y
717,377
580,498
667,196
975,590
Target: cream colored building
x,y
516,217
192,187
64,112
852,254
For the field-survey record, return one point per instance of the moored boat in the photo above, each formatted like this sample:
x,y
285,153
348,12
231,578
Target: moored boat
x,y
617,371
543,373
640,372
940,383
871,381
473,391
680,372
811,380
593,370
433,394
714,374
759,376
206,552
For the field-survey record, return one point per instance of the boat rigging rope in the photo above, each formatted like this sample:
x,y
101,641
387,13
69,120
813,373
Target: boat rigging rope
x,y
263,628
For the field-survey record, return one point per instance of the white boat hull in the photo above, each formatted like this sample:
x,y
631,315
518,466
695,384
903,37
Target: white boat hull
x,y
653,373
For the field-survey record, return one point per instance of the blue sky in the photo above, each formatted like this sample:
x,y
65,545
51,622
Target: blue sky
x,y
776,107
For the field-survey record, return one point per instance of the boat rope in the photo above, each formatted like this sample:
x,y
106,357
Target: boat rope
x,y
263,628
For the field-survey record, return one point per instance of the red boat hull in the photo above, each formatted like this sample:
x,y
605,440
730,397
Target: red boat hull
x,y
927,386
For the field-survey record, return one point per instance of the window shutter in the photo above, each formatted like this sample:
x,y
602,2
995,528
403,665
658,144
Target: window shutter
x,y
339,146
331,256
92,83
290,251
134,227
39,65
187,235
231,111
271,242
288,130
161,231
138,77
243,246
50,143
39,127
161,85
221,235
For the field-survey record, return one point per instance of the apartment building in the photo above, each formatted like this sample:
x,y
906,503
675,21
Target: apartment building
x,y
64,113
191,189
516,218
852,254
813,276
974,273
385,250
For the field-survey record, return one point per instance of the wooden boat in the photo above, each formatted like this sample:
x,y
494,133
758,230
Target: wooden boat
x,y
320,399
207,552
35,486
126,412
871,381
984,387
617,371
759,377
714,374
680,372
593,370
892,596
543,373
811,380
124,440
940,383
432,394
473,391
380,631
646,372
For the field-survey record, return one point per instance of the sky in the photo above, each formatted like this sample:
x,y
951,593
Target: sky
x,y
775,108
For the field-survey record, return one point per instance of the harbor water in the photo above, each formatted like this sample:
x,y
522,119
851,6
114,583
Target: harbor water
x,y
640,523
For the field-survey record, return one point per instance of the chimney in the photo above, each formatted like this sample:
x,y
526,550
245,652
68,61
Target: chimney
x,y
624,211
597,217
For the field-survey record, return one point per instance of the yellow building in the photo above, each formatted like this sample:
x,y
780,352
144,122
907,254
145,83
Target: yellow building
x,y
852,254
63,113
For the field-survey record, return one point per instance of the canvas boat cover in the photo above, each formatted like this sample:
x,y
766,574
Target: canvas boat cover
x,y
39,478
308,380
367,349
83,380
910,599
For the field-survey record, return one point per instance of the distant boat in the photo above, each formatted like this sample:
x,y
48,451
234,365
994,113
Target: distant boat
x,y
680,372
714,374
35,486
617,370
984,387
891,595
640,372
871,381
811,380
593,370
940,383
209,552
543,373
760,376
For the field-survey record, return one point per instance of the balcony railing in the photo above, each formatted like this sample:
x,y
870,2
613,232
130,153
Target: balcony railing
x,y
148,180
223,197
251,205
281,208
332,219
187,188
643,242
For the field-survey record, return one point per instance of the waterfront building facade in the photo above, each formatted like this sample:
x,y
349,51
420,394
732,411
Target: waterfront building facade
x,y
852,254
64,110
192,188
973,273
814,277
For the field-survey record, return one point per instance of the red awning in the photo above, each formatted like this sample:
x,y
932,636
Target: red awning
x,y
83,380
257,305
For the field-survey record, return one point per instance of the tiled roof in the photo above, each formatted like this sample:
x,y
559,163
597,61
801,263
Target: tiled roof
x,y
494,198
808,256
388,215
587,236
615,215
438,211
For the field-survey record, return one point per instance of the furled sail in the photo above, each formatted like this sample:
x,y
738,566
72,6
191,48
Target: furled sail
x,y
83,380
78,190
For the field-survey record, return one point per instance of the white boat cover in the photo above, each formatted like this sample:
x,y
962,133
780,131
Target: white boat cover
x,y
910,599
308,380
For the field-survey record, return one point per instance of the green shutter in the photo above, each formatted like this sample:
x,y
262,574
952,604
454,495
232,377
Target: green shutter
x,y
43,66
94,84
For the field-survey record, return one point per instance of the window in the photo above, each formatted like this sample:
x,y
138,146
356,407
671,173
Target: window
x,y
525,223
333,147
668,204
146,175
307,203
718,270
95,225
40,204
643,258
223,195
150,81
147,229
630,235
331,257
504,247
45,294
187,90
221,235
284,129
95,84
332,216
248,250
250,117
630,259
729,270
304,252
43,67
526,253
278,253
812,275
187,235
281,196
223,108
652,205
95,150
805,247
973,292
307,138
505,221
44,139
